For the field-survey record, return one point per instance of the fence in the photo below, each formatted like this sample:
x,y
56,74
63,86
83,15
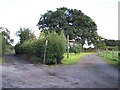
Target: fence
x,y
113,55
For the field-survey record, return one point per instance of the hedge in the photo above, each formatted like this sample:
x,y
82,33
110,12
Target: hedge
x,y
35,48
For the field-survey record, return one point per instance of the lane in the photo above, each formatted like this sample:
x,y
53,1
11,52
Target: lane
x,y
0,76
91,72
12,59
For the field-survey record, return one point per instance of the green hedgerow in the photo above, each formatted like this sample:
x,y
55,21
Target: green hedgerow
x,y
35,48
55,48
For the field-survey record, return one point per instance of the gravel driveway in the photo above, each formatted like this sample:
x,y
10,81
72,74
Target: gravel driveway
x,y
91,72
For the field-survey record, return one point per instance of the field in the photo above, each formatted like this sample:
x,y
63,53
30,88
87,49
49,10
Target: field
x,y
74,58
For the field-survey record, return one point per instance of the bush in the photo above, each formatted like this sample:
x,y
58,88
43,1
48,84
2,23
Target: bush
x,y
119,56
76,49
18,49
55,48
35,48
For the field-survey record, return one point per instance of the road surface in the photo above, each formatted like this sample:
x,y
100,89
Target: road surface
x,y
91,72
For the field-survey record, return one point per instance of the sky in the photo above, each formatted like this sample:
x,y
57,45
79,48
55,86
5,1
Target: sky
x,y
26,13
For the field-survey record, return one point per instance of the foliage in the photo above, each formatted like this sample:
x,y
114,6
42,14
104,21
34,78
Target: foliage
x,y
76,49
5,40
25,34
18,49
111,43
110,59
36,48
112,48
74,58
6,35
0,44
111,55
55,48
1,60
100,44
74,23
118,45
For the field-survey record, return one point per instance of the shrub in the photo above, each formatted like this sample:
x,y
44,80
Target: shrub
x,y
76,49
18,49
35,48
55,48
119,56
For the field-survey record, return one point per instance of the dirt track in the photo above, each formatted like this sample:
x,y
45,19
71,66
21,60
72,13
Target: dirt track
x,y
91,72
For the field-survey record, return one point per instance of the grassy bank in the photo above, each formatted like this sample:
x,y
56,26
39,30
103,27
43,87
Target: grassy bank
x,y
111,62
1,60
111,58
74,58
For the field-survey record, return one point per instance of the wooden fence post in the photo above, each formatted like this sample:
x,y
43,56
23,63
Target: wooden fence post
x,y
113,53
98,52
45,51
106,52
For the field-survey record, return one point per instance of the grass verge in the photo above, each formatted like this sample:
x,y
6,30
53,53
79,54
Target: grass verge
x,y
74,58
112,61
1,60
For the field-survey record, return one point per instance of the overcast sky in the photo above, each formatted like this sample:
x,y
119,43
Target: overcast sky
x,y
26,13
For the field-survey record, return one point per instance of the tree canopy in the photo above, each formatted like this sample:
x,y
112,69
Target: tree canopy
x,y
5,40
73,22
6,35
111,42
25,34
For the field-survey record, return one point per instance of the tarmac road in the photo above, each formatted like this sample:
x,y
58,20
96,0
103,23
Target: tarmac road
x,y
91,72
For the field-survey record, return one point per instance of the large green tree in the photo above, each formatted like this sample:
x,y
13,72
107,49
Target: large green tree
x,y
73,22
